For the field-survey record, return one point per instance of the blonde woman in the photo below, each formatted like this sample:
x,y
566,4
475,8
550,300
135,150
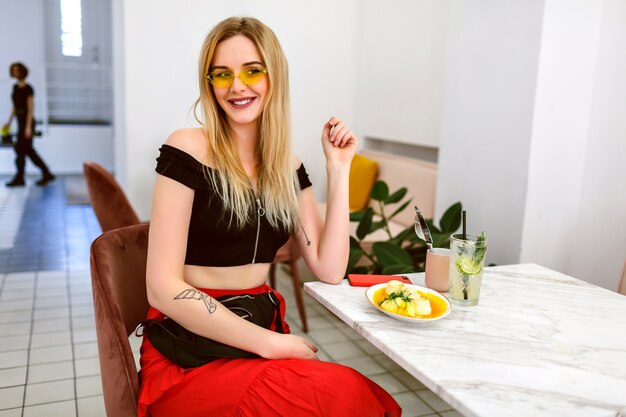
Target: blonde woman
x,y
226,197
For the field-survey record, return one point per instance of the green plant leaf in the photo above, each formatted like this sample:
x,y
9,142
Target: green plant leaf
x,y
356,216
400,209
402,236
390,254
360,270
354,258
451,219
441,240
432,227
376,226
397,196
365,224
354,243
397,269
380,191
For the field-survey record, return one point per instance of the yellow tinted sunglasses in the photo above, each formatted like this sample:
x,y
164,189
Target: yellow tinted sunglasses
x,y
223,78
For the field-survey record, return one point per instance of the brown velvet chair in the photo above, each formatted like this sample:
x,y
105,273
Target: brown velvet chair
x,y
108,199
118,276
289,254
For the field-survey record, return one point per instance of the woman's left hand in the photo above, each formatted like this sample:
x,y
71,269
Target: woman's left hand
x,y
28,133
338,141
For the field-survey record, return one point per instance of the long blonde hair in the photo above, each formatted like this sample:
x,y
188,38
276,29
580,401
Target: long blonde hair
x,y
276,176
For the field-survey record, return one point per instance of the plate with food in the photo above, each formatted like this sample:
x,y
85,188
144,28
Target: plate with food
x,y
408,302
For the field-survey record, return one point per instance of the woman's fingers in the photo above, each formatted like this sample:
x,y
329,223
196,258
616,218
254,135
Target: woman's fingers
x,y
340,134
311,345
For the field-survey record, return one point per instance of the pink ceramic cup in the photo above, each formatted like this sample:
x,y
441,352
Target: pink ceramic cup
x,y
437,267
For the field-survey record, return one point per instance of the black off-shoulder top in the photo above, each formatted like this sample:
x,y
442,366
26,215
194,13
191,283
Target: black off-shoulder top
x,y
211,242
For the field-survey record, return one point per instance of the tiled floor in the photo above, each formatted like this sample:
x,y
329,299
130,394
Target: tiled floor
x,y
48,352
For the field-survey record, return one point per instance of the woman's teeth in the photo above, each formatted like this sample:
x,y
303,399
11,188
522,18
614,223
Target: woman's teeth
x,y
242,102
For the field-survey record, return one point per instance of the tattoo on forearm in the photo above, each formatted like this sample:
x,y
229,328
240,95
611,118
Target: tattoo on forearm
x,y
193,294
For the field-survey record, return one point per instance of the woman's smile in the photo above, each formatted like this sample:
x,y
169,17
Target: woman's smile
x,y
241,102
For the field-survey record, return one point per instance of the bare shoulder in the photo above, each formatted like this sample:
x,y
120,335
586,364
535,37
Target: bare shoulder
x,y
191,141
296,161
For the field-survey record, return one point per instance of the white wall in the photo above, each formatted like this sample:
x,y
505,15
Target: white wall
x,y
160,64
490,78
402,48
24,46
598,248
560,131
64,148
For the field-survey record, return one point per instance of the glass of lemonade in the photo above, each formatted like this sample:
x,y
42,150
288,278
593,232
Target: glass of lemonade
x,y
467,257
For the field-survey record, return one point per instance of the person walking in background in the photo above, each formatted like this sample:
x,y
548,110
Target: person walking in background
x,y
23,109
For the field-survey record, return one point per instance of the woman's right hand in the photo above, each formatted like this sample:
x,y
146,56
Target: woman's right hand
x,y
289,346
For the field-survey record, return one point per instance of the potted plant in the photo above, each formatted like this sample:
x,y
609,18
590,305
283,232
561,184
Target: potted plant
x,y
404,252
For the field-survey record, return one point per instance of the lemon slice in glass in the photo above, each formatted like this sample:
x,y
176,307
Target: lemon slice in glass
x,y
468,265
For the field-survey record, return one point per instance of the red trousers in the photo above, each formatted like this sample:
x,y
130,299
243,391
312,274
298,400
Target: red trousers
x,y
257,387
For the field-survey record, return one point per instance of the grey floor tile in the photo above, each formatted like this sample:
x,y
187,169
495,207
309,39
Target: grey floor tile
x,y
50,372
365,365
86,350
14,317
87,367
50,339
82,310
15,294
389,383
13,359
11,397
319,322
84,335
51,354
408,379
14,343
433,400
84,322
51,313
343,350
349,332
330,335
88,386
91,407
452,413
323,356
12,377
60,291
386,362
16,305
82,299
135,342
412,406
61,408
13,412
51,302
47,392
51,325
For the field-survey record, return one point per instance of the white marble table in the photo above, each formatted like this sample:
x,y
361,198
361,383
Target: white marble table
x,y
539,343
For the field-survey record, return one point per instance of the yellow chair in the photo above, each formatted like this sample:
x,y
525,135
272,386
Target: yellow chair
x,y
363,173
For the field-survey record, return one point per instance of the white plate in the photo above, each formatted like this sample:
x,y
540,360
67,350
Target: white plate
x,y
369,294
